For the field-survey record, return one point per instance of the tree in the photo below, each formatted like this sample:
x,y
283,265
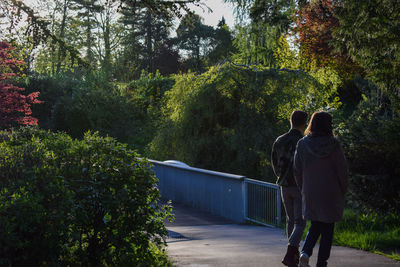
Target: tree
x,y
256,44
278,13
154,31
369,32
15,108
222,43
167,58
109,34
258,41
274,12
39,31
315,25
238,111
194,37
87,10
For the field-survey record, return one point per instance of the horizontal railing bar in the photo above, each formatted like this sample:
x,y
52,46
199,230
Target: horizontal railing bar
x,y
214,173
252,181
258,222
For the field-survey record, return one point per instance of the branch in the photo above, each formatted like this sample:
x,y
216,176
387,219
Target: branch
x,y
41,25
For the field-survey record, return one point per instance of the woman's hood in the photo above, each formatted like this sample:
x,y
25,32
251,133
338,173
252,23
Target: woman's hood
x,y
320,146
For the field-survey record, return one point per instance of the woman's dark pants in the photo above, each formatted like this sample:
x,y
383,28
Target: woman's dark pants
x,y
325,230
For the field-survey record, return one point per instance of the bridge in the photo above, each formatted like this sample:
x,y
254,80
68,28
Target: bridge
x,y
230,220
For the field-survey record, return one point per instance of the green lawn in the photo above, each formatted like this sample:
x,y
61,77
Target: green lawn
x,y
371,232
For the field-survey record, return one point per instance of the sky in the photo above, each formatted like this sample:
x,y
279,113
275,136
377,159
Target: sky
x,y
219,9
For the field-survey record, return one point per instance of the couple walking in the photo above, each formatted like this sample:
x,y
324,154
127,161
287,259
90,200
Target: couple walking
x,y
312,172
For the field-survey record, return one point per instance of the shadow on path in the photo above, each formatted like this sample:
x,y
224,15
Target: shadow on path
x,y
199,239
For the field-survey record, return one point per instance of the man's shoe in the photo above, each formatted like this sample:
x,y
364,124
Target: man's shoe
x,y
304,260
292,256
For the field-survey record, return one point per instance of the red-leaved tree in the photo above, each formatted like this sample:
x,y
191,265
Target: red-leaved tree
x,y
315,24
15,108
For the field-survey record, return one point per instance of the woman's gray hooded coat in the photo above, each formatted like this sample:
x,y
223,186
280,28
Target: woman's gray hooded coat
x,y
321,173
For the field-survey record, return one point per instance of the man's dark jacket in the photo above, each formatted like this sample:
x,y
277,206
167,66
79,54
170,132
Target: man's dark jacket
x,y
282,157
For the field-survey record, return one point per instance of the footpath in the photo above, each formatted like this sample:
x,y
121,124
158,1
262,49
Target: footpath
x,y
198,239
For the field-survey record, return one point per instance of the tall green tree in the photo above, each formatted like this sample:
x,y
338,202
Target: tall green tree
x,y
154,31
256,43
38,28
86,13
227,118
222,43
194,37
369,32
108,35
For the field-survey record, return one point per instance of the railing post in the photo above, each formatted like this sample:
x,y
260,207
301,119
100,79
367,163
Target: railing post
x,y
245,194
278,201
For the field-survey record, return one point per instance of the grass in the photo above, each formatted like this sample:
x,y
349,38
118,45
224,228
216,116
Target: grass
x,y
369,232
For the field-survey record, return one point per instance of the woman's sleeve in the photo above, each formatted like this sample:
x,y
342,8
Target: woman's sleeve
x,y
298,167
342,169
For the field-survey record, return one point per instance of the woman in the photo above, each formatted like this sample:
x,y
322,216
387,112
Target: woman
x,y
320,171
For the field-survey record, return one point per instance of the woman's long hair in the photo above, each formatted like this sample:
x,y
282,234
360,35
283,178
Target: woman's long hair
x,y
320,124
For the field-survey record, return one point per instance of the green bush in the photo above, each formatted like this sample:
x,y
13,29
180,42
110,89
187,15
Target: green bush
x,y
149,89
75,104
52,89
227,118
80,203
371,141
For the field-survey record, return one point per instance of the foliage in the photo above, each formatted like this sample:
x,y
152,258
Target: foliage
x,y
39,31
194,37
315,25
227,118
147,93
371,140
256,43
222,44
15,108
278,13
149,89
89,202
76,103
52,89
369,33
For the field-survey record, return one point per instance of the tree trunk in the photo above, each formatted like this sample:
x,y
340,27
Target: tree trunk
x,y
61,49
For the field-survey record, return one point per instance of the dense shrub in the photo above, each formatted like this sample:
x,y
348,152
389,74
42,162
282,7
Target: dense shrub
x,y
80,203
371,141
52,89
227,118
147,93
75,104
149,89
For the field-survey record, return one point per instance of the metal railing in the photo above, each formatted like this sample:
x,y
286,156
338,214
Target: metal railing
x,y
231,196
262,202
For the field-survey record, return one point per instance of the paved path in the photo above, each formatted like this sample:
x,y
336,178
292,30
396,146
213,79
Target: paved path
x,y
198,239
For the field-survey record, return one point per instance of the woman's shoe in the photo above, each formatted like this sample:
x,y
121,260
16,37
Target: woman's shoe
x,y
304,260
291,257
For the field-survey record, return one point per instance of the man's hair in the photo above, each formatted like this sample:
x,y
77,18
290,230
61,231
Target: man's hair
x,y
320,124
298,118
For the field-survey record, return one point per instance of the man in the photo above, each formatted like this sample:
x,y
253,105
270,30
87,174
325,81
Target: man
x,y
283,151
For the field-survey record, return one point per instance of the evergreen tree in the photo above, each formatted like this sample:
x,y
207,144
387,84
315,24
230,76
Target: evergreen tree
x,y
194,37
87,10
222,43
